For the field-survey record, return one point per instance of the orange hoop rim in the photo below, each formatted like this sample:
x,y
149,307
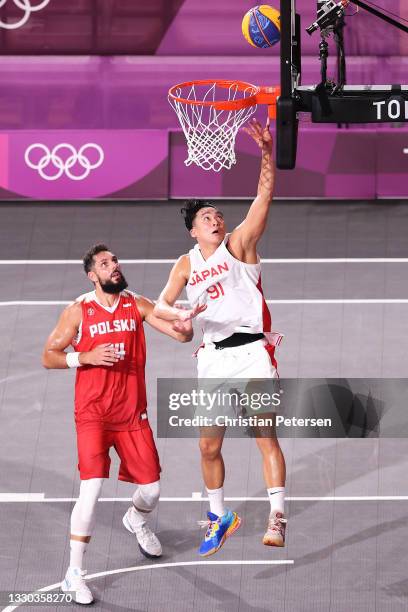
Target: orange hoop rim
x,y
261,95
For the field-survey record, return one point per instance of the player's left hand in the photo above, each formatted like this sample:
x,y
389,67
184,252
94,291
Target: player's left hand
x,y
261,135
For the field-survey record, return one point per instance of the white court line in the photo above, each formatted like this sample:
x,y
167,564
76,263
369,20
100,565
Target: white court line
x,y
41,262
156,566
343,301
23,497
36,303
305,301
196,497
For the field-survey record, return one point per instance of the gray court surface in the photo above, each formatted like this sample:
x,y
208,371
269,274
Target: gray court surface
x,y
340,319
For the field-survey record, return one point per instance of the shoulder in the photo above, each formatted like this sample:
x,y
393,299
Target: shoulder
x,y
182,267
236,249
76,306
143,304
127,293
184,262
85,298
72,314
233,246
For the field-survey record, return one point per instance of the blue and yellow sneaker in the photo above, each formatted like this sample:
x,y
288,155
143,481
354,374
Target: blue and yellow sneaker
x,y
219,529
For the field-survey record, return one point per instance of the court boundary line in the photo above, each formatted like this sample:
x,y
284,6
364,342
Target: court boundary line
x,y
277,302
196,497
304,260
156,566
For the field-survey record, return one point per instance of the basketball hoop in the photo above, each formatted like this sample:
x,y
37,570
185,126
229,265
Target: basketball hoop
x,y
211,113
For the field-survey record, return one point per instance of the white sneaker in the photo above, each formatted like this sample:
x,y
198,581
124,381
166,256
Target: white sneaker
x,y
74,583
148,542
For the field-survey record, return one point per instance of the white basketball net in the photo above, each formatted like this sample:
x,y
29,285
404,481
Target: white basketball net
x,y
211,133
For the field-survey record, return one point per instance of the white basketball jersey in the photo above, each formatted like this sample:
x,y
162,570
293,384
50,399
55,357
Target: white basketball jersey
x,y
232,291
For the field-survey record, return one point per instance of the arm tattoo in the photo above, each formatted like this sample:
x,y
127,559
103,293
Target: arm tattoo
x,y
267,176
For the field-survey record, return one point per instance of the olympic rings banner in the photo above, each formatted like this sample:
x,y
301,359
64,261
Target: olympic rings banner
x,y
149,164
26,8
82,164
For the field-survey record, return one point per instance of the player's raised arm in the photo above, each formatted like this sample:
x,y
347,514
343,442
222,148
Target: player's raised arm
x,y
54,354
179,330
165,309
247,234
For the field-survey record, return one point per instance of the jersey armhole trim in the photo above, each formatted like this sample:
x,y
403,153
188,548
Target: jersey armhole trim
x,y
250,265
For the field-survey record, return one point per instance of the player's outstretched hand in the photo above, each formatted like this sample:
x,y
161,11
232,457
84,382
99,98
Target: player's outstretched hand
x,y
261,135
102,355
186,314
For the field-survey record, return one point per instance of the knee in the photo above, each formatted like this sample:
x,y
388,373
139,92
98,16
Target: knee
x,y
83,518
84,510
147,496
210,449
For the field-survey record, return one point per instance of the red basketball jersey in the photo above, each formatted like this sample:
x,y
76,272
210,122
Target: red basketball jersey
x,y
111,397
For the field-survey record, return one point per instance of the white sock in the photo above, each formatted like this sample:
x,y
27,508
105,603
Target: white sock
x,y
78,549
216,499
277,498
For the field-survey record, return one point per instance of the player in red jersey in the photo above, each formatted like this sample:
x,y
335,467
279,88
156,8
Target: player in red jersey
x,y
105,328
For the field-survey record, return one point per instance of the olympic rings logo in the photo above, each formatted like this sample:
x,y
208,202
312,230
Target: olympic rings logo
x,y
25,6
66,163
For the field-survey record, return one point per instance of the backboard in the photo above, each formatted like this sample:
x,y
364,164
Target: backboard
x,y
328,102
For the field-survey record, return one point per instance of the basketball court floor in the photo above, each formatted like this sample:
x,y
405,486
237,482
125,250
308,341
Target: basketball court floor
x,y
336,276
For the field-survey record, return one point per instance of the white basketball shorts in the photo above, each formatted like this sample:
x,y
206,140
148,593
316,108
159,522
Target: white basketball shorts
x,y
236,378
246,361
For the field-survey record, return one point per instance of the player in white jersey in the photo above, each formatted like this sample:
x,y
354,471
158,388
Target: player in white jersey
x,y
222,278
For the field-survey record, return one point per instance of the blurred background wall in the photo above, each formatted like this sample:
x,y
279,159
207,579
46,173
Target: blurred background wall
x,y
98,71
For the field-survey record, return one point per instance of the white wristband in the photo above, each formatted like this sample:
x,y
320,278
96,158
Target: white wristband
x,y
73,360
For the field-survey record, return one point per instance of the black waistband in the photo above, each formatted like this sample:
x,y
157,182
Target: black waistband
x,y
238,339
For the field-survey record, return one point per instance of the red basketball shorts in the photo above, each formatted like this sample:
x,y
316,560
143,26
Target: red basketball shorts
x,y
139,461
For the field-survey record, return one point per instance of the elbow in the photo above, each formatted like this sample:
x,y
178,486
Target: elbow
x,y
157,310
185,337
44,362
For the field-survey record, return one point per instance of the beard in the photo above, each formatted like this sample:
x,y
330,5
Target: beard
x,y
114,286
